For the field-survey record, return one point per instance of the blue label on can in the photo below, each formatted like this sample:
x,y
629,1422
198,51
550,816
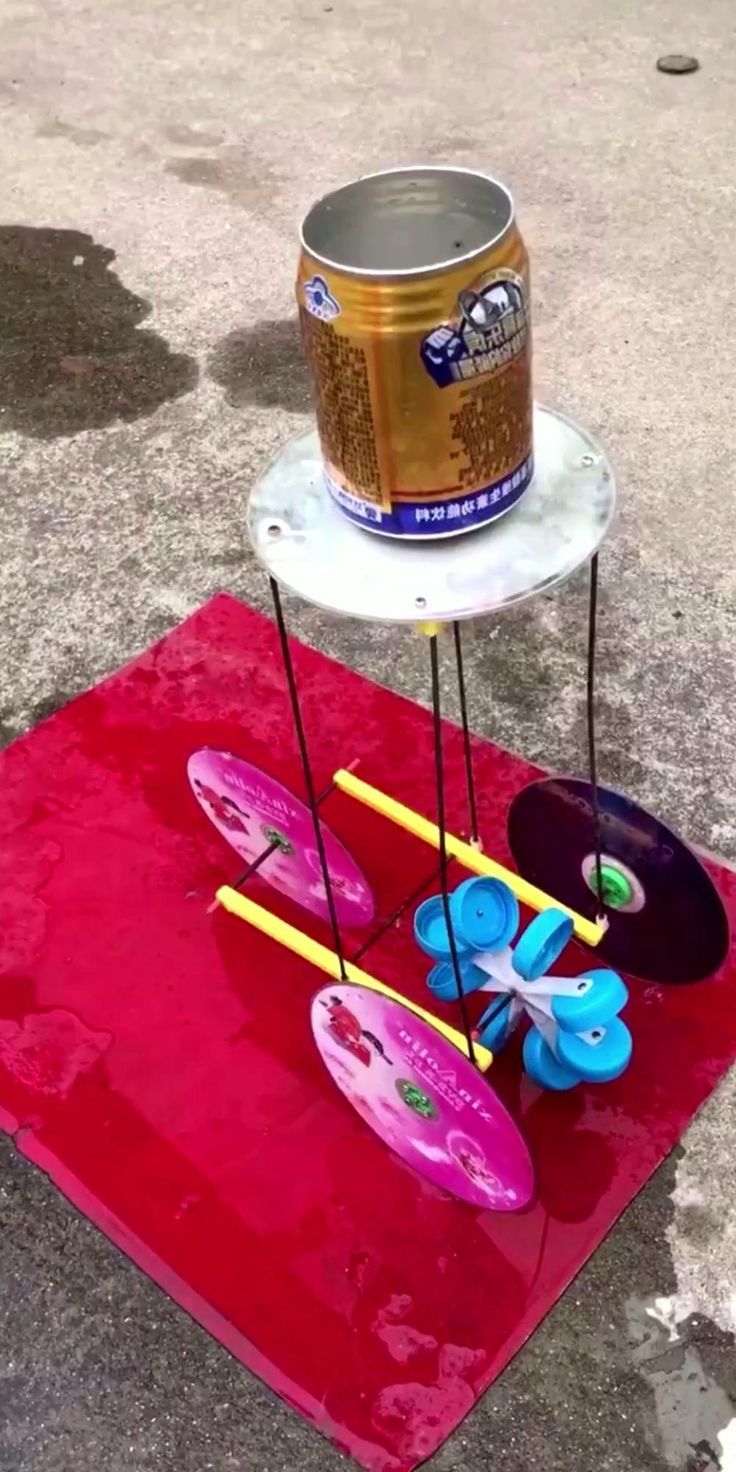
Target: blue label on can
x,y
433,518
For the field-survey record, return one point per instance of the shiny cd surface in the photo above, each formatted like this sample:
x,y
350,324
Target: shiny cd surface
x,y
422,1096
666,922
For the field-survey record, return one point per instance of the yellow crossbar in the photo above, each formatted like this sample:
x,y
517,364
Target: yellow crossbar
x,y
320,956
588,930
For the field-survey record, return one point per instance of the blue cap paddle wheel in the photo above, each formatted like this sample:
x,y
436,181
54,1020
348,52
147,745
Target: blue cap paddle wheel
x,y
542,943
542,1066
599,996
599,1055
583,1037
485,913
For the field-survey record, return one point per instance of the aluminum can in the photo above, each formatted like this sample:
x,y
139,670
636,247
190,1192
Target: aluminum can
x,y
413,293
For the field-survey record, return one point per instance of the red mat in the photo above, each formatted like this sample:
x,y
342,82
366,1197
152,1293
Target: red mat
x,y
161,1064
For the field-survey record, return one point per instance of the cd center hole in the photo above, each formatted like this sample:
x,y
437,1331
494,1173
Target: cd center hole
x,y
615,889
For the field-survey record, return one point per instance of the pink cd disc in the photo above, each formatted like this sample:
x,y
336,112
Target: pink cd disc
x,y
252,810
422,1096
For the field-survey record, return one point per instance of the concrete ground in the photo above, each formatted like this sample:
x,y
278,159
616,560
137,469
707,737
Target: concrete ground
x,y
177,145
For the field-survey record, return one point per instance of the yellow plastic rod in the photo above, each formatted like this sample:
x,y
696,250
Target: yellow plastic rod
x,y
588,930
320,956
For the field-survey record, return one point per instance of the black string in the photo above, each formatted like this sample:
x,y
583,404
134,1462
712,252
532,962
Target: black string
x,y
469,778
307,770
497,1010
590,701
255,866
440,778
247,873
397,914
272,847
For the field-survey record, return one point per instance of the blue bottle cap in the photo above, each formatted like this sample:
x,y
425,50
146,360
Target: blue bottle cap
x,y
430,930
600,996
598,1056
543,941
485,913
496,1033
443,985
542,1066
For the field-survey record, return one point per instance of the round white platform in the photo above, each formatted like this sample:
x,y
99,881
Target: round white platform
x,y
308,546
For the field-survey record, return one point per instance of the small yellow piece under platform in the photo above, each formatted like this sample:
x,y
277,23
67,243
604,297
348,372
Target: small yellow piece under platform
x,y
321,956
589,931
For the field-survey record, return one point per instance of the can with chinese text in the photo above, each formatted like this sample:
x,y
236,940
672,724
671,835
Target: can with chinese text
x,y
413,291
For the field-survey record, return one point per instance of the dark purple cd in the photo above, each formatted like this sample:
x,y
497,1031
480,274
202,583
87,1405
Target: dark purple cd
x,y
666,922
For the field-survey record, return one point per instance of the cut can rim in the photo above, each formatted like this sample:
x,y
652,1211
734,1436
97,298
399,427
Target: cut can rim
x,y
398,273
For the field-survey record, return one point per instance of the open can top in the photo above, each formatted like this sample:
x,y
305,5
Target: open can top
x,y
407,222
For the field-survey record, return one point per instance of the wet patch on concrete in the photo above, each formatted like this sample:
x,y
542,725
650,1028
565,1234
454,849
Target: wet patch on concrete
x,y
8,732
699,1225
158,624
702,1234
451,143
263,365
13,722
72,356
517,662
691,1374
50,704
85,137
186,137
233,172
604,1383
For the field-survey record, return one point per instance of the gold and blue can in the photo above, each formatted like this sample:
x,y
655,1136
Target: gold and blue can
x,y
413,292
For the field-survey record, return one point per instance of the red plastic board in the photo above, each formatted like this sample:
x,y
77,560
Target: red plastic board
x,y
162,1065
